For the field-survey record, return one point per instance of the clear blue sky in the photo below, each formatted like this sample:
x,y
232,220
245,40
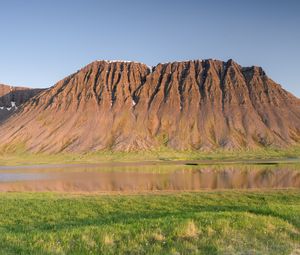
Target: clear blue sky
x,y
42,41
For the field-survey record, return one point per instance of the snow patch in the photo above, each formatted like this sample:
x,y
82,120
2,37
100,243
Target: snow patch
x,y
13,104
151,68
122,61
118,60
180,61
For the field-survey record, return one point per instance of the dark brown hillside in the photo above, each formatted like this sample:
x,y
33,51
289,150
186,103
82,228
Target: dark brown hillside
x,y
11,98
121,105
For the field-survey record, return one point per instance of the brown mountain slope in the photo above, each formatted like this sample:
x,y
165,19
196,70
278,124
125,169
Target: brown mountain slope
x,y
184,105
13,97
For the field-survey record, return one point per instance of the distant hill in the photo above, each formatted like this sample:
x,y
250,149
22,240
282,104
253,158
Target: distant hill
x,y
188,105
13,97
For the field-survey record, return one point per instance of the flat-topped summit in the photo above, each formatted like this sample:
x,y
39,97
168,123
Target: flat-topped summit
x,y
185,105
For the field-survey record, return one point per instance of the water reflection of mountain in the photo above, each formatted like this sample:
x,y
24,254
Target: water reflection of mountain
x,y
152,178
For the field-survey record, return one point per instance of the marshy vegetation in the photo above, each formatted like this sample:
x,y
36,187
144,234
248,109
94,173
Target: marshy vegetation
x,y
228,222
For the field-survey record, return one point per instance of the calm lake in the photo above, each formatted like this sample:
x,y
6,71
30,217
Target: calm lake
x,y
149,177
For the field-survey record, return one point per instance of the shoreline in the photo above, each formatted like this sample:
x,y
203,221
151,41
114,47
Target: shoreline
x,y
157,162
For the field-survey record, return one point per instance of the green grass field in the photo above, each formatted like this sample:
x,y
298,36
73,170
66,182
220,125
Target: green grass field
x,y
226,222
21,157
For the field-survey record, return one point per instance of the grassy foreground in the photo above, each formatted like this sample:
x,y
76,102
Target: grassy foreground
x,y
186,223
21,157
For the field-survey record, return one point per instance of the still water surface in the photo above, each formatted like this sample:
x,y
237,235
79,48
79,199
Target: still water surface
x,y
145,178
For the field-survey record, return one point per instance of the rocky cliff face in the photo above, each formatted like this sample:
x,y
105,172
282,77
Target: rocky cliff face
x,y
194,105
13,97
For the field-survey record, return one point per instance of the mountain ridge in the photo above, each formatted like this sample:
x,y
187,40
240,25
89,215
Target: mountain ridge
x,y
184,105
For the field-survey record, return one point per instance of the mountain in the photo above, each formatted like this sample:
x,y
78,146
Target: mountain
x,y
195,105
13,97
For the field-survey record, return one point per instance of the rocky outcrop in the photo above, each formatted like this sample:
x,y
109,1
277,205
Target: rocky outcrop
x,y
196,105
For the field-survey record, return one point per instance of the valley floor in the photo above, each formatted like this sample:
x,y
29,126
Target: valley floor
x,y
228,222
162,155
